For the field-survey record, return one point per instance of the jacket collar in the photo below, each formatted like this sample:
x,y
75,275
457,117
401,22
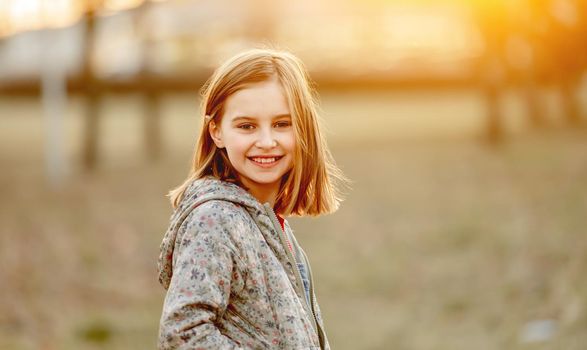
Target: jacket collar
x,y
207,189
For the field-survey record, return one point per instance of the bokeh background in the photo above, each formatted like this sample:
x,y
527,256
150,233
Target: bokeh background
x,y
460,122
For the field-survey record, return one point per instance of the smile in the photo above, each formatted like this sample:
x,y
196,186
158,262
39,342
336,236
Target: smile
x,y
265,161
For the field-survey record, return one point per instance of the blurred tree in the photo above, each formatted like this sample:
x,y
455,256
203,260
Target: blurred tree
x,y
564,35
492,23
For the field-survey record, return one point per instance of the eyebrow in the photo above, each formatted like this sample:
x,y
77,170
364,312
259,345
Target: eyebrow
x,y
244,117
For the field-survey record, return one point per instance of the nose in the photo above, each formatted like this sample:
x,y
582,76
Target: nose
x,y
266,139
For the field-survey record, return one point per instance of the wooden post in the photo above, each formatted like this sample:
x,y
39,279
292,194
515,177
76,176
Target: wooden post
x,y
151,92
492,78
92,92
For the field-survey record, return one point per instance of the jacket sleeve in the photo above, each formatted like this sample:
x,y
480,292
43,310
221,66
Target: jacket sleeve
x,y
204,269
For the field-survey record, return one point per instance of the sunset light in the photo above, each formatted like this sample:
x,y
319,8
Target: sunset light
x,y
461,124
25,15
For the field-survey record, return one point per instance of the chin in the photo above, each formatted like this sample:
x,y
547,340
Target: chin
x,y
266,181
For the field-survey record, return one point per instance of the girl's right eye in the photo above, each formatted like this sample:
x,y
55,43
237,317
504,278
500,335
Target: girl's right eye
x,y
245,126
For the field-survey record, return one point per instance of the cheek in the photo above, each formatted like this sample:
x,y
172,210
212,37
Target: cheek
x,y
289,142
237,146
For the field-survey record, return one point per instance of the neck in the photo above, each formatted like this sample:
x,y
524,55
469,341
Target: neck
x,y
264,195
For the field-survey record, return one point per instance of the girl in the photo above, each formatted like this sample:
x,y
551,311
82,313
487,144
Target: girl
x,y
235,275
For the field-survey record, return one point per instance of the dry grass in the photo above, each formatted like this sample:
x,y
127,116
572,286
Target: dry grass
x,y
440,245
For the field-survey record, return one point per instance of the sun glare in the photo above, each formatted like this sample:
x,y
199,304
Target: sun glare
x,y
24,15
119,5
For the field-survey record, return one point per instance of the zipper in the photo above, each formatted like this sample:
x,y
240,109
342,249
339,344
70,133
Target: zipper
x,y
292,260
321,334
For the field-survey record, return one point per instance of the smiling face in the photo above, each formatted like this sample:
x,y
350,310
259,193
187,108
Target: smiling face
x,y
256,130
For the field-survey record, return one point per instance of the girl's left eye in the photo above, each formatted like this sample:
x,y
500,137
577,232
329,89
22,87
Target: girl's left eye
x,y
283,124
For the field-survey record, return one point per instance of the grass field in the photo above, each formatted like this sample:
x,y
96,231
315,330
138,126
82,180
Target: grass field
x,y
443,242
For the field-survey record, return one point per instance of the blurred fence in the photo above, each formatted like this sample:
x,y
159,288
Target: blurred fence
x,y
161,47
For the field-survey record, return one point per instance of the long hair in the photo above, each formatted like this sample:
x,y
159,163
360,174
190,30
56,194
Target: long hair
x,y
311,187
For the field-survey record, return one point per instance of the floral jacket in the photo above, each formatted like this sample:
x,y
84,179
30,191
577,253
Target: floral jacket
x,y
231,282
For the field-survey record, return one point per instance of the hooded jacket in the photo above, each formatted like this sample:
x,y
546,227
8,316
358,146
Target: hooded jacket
x,y
231,281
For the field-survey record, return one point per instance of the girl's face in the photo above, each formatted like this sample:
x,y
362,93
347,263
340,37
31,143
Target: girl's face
x,y
256,130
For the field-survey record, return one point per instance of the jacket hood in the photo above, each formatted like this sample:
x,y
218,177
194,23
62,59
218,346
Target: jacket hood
x,y
198,192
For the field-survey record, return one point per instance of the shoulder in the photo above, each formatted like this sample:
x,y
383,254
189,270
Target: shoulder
x,y
224,219
222,211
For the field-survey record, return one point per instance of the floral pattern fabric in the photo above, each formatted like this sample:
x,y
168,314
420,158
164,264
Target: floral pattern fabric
x,y
229,281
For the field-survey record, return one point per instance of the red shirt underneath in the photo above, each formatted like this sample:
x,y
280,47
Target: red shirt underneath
x,y
281,220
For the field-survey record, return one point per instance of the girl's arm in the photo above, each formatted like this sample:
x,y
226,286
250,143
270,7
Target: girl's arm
x,y
204,271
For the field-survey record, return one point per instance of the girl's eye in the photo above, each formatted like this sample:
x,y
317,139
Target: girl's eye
x,y
283,124
246,126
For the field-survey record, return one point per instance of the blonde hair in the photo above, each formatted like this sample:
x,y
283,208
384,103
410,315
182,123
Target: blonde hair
x,y
311,187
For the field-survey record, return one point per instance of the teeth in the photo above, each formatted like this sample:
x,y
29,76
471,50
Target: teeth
x,y
264,160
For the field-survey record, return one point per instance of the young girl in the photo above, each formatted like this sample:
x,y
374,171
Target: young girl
x,y
236,278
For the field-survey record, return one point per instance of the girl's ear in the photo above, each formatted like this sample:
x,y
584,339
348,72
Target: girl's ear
x,y
215,133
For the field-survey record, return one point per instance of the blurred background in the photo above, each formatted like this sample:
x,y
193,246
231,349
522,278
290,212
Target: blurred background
x,y
460,122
